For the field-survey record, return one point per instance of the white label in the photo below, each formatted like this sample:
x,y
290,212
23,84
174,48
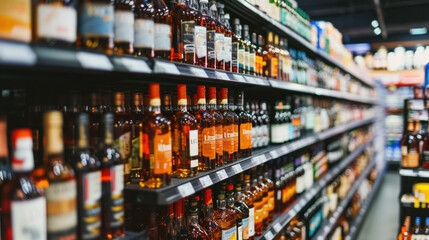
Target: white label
x,y
186,189
94,61
206,181
193,143
228,49
117,176
229,234
200,41
29,219
277,227
237,169
199,72
162,37
124,26
269,235
276,133
222,174
144,30
240,233
194,163
56,22
92,183
136,65
222,75
220,46
251,222
61,192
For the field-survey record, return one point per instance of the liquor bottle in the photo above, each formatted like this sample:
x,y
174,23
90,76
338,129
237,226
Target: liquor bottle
x,y
230,204
184,137
122,133
259,181
124,26
156,134
112,169
256,125
219,121
244,127
262,52
231,107
277,130
94,110
270,186
212,228
136,157
211,34
275,60
309,117
18,14
167,108
417,231
409,148
426,230
258,202
228,127
144,29
236,39
88,175
219,37
183,36
206,133
201,32
228,43
264,129
6,173
278,185
96,20
163,21
181,230
246,46
250,52
271,67
256,55
225,217
195,231
248,199
56,23
241,46
244,209
167,227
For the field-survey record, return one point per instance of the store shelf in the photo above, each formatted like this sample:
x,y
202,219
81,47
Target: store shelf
x,y
423,173
250,13
355,225
181,188
329,223
282,220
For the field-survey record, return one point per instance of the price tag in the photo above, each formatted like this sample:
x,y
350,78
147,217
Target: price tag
x,y
275,83
424,174
166,67
292,212
222,174
302,203
239,78
249,79
222,75
206,181
199,72
269,235
277,227
136,65
284,149
331,220
15,53
186,189
94,61
274,154
237,168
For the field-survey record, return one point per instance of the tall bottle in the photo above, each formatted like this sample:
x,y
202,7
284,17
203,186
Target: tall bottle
x,y
136,157
268,54
211,34
251,51
5,169
88,175
228,43
201,32
258,199
56,23
236,40
23,204
228,127
225,217
264,129
244,209
219,38
270,186
219,121
112,169
249,199
96,24
184,137
244,127
211,226
163,21
144,29
124,27
183,33
231,106
257,54
181,230
230,204
195,231
265,198
156,134
409,148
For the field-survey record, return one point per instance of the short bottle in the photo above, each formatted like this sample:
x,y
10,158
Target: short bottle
x,y
417,231
225,217
212,228
195,231
123,27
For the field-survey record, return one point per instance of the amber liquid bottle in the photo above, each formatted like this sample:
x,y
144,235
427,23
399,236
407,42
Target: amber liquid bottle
x,y
195,231
231,107
270,185
206,133
144,29
5,169
124,26
156,134
244,127
88,175
136,157
96,20
220,154
55,22
163,20
23,204
247,50
248,199
261,185
228,43
112,170
201,32
167,227
240,47
225,217
212,228
409,148
181,230
211,33
230,204
235,47
258,201
228,127
240,205
183,38
95,113
184,137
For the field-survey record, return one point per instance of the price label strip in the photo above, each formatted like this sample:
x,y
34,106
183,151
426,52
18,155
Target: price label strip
x,y
136,65
186,189
199,72
94,61
222,75
166,67
237,168
206,181
222,174
15,53
274,154
277,227
269,235
239,78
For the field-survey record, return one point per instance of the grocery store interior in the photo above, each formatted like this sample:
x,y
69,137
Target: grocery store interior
x,y
214,119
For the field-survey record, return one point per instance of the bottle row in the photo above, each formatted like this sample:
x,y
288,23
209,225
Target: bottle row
x,y
192,32
414,144
418,229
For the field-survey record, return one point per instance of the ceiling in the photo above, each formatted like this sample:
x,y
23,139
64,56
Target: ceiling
x,y
353,18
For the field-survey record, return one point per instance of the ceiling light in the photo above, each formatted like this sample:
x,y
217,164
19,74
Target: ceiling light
x,y
374,23
377,31
418,31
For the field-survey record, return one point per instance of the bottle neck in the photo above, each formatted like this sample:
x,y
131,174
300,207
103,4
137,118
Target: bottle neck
x,y
154,109
193,220
221,204
230,200
208,211
108,134
204,9
82,136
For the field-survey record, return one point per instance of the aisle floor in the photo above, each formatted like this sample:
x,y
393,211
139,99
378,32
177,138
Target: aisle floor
x,y
382,219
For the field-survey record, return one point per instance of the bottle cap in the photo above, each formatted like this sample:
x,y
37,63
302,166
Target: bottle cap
x,y
227,17
201,91
221,195
229,187
181,95
154,95
138,99
208,196
212,95
236,21
22,143
119,98
224,95
246,27
204,1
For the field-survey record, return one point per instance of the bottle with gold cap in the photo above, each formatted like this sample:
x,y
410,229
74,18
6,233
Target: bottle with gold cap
x,y
112,170
232,107
156,138
220,154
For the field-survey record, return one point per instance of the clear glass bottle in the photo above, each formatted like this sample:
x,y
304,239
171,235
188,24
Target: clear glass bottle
x,y
201,32
163,22
124,27
144,29
212,228
183,48
225,217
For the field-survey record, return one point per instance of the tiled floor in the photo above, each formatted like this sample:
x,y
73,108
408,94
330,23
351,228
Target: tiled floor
x,y
381,222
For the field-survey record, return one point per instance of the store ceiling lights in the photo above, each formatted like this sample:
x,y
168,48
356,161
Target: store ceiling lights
x,y
377,31
374,23
418,31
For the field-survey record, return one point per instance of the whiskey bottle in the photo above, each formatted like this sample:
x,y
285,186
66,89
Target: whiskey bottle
x,y
19,17
112,172
256,54
258,201
23,204
227,36
206,133
244,209
219,121
211,33
122,132
144,29
124,26
56,23
219,38
163,20
95,113
256,125
167,227
244,127
156,134
201,32
181,230
225,217
184,137
268,54
88,176
265,208
228,127
136,157
195,231
231,107
230,204
183,36
249,200
228,43
96,20
264,129
409,148
5,169
249,53
212,228
240,46
270,190
234,48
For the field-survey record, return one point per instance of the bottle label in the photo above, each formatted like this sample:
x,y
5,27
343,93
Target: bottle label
x,y
251,222
188,37
426,157
274,67
259,215
124,26
228,49
413,159
241,61
219,139
162,37
234,55
246,59
115,206
252,62
91,209
211,50
245,135
162,156
136,154
96,19
236,138
271,201
15,16
56,22
229,234
276,133
246,228
290,131
200,41
61,210
239,232
208,143
144,30
220,46
193,143
123,144
265,209
29,219
228,139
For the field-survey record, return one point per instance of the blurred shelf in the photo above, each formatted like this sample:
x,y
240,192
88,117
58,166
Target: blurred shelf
x,y
423,173
410,77
411,203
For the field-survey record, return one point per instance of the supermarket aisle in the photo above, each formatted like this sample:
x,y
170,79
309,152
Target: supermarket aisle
x,y
381,221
